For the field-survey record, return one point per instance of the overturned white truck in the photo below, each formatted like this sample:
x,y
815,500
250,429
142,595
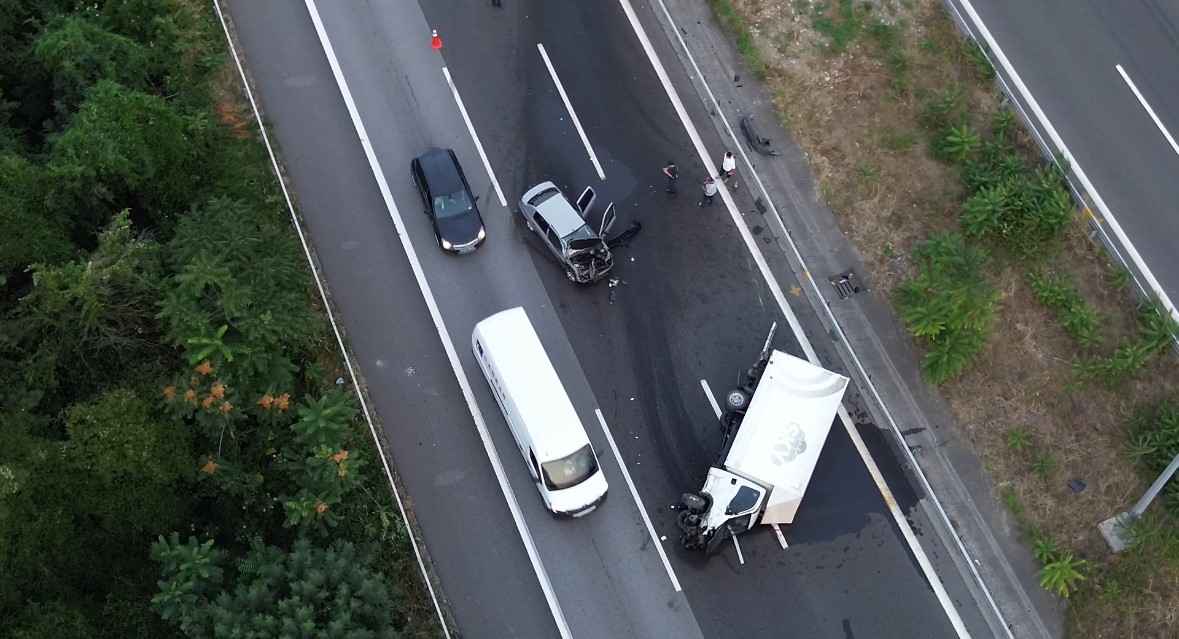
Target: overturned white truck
x,y
775,425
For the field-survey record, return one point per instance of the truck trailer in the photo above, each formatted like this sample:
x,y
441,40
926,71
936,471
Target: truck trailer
x,y
775,424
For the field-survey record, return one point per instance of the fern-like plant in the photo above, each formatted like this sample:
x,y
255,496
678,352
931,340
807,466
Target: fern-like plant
x,y
1061,576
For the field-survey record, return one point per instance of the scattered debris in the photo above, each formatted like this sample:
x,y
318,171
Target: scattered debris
x,y
843,284
756,141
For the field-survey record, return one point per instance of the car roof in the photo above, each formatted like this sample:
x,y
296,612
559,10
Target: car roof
x,y
559,213
440,168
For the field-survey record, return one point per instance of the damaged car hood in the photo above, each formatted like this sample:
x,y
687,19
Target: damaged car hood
x,y
588,259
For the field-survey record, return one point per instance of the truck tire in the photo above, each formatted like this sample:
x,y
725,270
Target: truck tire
x,y
737,400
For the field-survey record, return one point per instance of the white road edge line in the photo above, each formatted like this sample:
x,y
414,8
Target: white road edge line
x,y
1149,110
711,398
903,524
569,107
780,297
475,136
436,316
1024,92
638,500
330,314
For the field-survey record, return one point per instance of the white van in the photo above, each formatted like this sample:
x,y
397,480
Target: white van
x,y
538,411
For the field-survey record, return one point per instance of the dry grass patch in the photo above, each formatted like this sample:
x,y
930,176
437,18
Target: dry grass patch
x,y
862,88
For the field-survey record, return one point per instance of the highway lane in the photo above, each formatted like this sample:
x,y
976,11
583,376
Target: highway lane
x,y
1066,53
601,563
439,457
685,313
692,307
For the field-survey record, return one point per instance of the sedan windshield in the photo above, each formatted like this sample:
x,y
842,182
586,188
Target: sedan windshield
x,y
570,471
451,205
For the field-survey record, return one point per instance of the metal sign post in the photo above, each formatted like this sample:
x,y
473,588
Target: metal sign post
x,y
1114,527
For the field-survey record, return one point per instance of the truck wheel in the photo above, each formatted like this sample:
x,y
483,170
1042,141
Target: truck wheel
x,y
737,400
686,520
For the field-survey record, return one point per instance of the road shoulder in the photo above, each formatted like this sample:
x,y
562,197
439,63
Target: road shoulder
x,y
922,419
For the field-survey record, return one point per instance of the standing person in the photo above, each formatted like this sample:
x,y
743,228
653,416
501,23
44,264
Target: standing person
x,y
709,189
672,174
729,168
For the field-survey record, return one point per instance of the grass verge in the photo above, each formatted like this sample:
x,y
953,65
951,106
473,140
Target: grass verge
x,y
894,110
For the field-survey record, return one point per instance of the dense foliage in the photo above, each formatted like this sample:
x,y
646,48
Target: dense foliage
x,y
162,372
950,303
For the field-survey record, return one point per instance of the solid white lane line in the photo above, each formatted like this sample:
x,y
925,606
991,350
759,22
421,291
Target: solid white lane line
x,y
711,398
569,106
737,545
638,501
931,576
474,136
1150,111
439,324
319,285
780,297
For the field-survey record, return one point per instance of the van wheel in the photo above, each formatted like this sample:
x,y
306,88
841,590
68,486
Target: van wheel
x,y
737,400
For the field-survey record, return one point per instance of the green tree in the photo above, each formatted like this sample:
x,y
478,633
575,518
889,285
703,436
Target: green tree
x,y
31,233
122,149
304,592
85,324
75,53
56,619
240,288
76,522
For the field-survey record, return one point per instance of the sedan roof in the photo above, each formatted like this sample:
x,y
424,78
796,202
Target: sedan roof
x,y
441,171
556,209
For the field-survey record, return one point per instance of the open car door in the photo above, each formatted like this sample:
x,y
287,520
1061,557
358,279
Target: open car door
x,y
585,201
608,219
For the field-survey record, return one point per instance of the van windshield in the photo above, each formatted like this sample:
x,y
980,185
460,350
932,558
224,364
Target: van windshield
x,y
570,471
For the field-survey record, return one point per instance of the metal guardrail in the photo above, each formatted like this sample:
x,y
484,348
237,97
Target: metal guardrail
x,y
1054,151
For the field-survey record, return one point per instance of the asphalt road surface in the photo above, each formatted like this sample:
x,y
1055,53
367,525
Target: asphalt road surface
x,y
689,306
1067,53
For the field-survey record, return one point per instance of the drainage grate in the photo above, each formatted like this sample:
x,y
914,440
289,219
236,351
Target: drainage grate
x,y
843,284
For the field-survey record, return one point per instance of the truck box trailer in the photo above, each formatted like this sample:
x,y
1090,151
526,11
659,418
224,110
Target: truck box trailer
x,y
775,425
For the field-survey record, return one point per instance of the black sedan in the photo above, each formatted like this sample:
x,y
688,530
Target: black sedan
x,y
458,226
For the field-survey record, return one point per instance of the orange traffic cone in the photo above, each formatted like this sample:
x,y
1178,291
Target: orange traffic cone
x,y
435,41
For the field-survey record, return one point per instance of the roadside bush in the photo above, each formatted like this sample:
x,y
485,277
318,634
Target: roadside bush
x,y
1153,441
950,304
1021,206
1158,331
1077,316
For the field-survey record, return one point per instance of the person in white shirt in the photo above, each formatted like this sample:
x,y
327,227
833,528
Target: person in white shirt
x,y
729,168
709,191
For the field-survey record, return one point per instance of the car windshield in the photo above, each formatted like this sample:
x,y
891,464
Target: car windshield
x,y
452,205
570,471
